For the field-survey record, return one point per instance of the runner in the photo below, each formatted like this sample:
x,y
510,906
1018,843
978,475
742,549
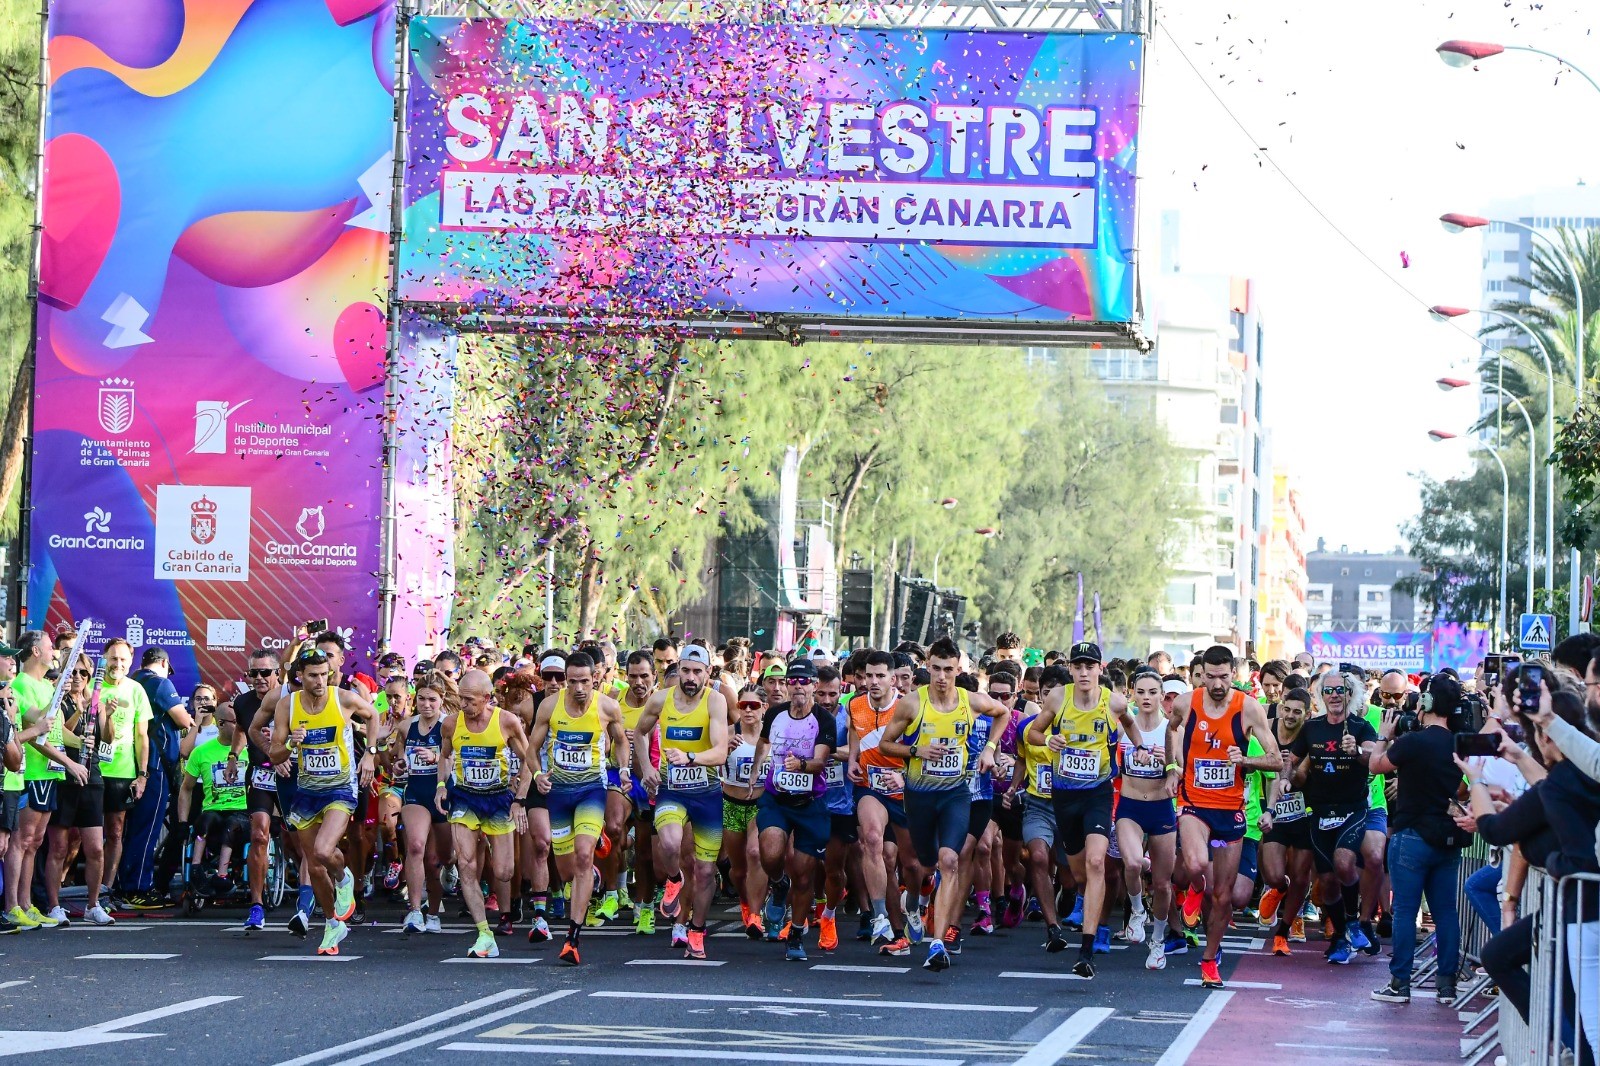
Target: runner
x,y
1207,779
641,684
1145,815
929,728
694,741
1286,865
261,782
224,821
741,788
80,808
1332,752
842,860
879,783
316,726
427,829
796,746
580,725
1077,725
482,799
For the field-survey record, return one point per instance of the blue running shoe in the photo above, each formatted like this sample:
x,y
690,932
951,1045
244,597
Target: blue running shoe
x,y
1075,919
1033,912
1102,940
305,900
796,951
1358,939
938,959
1174,944
1341,953
773,912
257,918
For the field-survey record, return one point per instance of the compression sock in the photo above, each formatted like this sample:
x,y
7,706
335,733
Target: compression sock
x,y
1352,901
982,899
483,928
541,904
1086,949
880,909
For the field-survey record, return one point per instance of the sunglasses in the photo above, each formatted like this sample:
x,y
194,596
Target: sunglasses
x,y
83,673
1335,690
554,677
311,657
799,682
260,673
750,703
1391,696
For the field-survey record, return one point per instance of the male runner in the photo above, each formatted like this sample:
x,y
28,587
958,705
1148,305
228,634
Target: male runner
x,y
125,774
629,806
1286,867
578,722
879,783
842,860
1077,725
315,726
929,729
1332,752
261,781
482,799
796,744
224,823
1207,777
694,741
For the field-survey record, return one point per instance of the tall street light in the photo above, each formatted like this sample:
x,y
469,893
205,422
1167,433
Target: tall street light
x,y
1450,385
1466,53
1438,435
1442,313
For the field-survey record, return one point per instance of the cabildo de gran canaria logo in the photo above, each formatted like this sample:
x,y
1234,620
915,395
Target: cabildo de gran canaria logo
x,y
96,535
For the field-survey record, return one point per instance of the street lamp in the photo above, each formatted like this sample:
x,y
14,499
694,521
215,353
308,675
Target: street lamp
x,y
985,532
1443,313
1441,435
1450,385
1466,53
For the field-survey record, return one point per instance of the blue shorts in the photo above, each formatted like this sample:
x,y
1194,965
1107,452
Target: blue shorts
x,y
635,791
809,823
1377,820
574,812
1156,817
892,804
1249,859
307,807
420,792
937,819
1226,827
701,811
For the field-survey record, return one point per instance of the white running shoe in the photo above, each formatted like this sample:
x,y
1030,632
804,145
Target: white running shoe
x,y
413,923
431,924
1157,959
97,915
1134,934
59,916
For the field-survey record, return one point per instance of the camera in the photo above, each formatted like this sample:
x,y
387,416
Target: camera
x,y
1406,719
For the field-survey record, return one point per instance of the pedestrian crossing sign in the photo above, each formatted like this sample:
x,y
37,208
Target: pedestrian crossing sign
x,y
1535,631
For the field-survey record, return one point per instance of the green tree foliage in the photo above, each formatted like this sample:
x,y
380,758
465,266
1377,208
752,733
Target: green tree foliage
x,y
19,129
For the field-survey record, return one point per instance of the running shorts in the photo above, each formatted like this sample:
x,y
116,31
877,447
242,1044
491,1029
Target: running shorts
x,y
259,801
937,819
308,807
737,814
1080,814
1009,818
1294,834
9,806
1377,820
701,811
892,804
1249,859
576,812
808,823
1156,817
981,814
1333,831
488,813
420,792
844,828
79,806
118,794
1225,827
43,795
1038,819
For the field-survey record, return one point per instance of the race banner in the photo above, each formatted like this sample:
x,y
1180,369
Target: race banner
x,y
1372,651
663,171
207,456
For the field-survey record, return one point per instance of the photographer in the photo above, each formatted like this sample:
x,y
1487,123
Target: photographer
x,y
1425,850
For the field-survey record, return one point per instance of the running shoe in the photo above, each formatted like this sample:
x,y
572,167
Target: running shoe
x,y
491,903
21,919
938,959
1309,910
1055,939
952,940
914,929
42,920
1341,953
7,926
359,915
1393,992
1016,896
1370,934
1175,943
1327,928
539,931
344,897
1297,930
774,909
98,915
773,932
794,950
984,926
1267,915
332,933
899,947
256,919
431,924
1084,968
1134,933
882,932
145,901
413,923
1075,919
1209,975
610,904
1033,912
558,906
391,877
299,923
1191,907
669,897
484,947
1156,959
1280,946
680,935
695,944
59,915
569,952
505,927
644,921
1358,939
864,927
1102,940
827,933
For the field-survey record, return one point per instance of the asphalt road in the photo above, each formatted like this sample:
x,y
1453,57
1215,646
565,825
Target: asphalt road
x,y
156,988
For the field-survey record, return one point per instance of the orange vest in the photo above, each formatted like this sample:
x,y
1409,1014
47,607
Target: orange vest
x,y
1209,779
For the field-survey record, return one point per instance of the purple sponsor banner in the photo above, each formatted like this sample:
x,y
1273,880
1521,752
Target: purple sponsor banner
x,y
1372,651
209,392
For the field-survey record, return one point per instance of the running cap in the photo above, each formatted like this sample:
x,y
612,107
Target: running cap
x,y
1084,652
775,670
553,664
801,670
1173,688
694,653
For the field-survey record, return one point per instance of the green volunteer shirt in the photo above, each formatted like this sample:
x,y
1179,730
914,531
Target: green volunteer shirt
x,y
1376,800
35,695
207,765
128,706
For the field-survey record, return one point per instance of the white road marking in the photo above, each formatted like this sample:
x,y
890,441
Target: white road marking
x,y
644,1053
839,968
1337,1047
1034,975
1194,982
1179,1050
1064,1037
160,1012
131,956
308,958
677,962
409,1027
802,1001
119,927
21,1042
14,984
491,962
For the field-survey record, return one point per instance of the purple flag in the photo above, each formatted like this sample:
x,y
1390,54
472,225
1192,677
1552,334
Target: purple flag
x,y
1099,630
1077,618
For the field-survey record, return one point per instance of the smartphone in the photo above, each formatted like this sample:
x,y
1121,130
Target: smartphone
x,y
1529,680
316,627
1469,745
1493,665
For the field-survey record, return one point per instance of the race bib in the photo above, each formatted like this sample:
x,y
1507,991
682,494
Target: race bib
x,y
263,779
1044,781
950,764
687,777
574,758
1213,773
480,774
738,769
219,778
320,762
835,773
878,780
1331,821
105,749
793,781
1290,808
1079,764
422,760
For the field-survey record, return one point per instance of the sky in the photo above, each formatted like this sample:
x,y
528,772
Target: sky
x,y
1382,137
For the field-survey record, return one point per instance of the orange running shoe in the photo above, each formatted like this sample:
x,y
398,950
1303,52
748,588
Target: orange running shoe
x,y
1191,907
899,947
1327,929
1297,931
1270,899
697,944
569,953
755,927
1280,945
669,897
828,934
1209,977
602,847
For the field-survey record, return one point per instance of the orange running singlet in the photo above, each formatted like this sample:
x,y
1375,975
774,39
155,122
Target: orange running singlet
x,y
1209,779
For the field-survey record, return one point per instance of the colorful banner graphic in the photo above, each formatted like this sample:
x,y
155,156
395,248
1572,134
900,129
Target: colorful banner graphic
x,y
1460,647
207,450
672,171
1372,651
424,487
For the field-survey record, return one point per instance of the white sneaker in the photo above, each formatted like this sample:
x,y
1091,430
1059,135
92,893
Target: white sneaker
x,y
1134,934
1157,959
413,923
881,929
430,924
97,915
59,916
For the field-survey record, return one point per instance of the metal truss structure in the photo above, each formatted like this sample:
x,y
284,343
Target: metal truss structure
x,y
1124,16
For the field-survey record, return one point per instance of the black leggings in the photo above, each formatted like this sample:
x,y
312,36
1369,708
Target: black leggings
x,y
1506,958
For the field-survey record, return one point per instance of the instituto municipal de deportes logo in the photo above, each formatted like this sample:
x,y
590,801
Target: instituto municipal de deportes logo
x,y
203,521
115,405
